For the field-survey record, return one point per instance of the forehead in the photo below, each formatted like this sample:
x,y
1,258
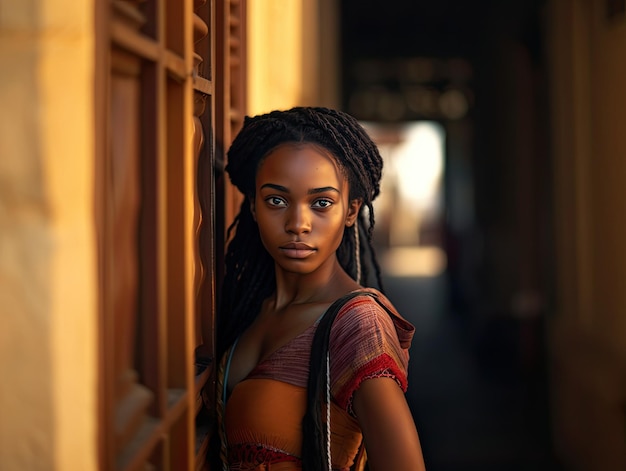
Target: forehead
x,y
300,161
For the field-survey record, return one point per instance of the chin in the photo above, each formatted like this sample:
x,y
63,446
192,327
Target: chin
x,y
297,267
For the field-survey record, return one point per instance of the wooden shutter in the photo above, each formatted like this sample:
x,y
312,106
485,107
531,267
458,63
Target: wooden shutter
x,y
158,209
231,91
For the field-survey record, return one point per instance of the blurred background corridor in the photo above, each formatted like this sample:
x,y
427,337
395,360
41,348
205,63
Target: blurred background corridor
x,y
458,112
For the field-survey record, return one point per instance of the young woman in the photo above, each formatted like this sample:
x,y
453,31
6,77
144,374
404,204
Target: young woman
x,y
313,365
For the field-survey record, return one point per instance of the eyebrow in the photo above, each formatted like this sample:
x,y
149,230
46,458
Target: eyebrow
x,y
312,191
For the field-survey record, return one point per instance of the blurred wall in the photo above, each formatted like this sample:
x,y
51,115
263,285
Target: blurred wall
x,y
47,241
588,338
292,50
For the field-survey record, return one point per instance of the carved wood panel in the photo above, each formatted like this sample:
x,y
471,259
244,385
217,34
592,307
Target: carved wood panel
x,y
155,213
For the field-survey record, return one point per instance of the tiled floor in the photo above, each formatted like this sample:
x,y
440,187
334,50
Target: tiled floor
x,y
473,408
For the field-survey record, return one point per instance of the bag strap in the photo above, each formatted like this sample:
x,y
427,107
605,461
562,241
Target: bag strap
x,y
319,385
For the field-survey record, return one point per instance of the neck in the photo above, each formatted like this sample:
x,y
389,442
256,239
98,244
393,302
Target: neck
x,y
324,285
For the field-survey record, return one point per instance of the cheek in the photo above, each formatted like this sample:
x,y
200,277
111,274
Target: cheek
x,y
269,227
266,238
339,237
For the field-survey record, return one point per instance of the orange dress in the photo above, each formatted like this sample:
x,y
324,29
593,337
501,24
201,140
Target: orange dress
x,y
263,415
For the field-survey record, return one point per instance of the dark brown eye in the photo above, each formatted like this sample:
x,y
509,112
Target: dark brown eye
x,y
275,201
322,203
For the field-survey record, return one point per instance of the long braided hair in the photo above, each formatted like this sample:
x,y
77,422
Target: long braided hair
x,y
249,276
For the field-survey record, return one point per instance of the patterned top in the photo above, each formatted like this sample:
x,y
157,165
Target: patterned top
x,y
264,412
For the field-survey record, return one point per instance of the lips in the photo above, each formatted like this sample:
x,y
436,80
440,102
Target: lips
x,y
297,250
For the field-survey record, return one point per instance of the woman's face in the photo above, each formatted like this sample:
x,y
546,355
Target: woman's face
x,y
301,206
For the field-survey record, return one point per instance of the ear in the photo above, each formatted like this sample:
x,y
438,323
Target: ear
x,y
353,211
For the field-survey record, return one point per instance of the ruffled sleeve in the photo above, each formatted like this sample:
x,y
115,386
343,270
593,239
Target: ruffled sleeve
x,y
367,340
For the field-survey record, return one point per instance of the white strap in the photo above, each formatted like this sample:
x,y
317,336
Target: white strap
x,y
330,465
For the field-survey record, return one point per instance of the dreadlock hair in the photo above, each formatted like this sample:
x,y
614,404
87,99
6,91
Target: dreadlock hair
x,y
249,276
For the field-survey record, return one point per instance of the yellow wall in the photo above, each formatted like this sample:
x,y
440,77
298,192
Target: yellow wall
x,y
292,54
47,245
274,54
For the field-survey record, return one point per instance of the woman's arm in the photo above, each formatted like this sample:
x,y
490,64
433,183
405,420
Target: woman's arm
x,y
389,432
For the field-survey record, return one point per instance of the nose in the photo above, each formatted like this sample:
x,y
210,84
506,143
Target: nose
x,y
298,220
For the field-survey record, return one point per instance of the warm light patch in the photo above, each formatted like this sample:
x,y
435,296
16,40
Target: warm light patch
x,y
414,261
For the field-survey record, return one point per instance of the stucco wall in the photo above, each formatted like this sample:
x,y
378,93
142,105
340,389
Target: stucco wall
x,y
292,54
47,242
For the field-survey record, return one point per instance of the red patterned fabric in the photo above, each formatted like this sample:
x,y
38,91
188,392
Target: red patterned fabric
x,y
264,412
367,342
250,456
